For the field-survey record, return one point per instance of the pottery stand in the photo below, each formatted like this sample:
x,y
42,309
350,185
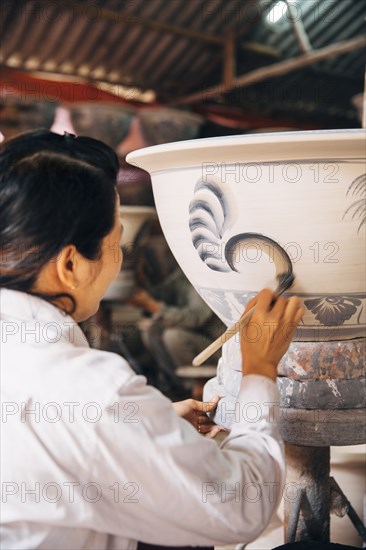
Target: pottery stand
x,y
327,378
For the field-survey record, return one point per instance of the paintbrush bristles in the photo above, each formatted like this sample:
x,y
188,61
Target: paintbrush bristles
x,y
285,281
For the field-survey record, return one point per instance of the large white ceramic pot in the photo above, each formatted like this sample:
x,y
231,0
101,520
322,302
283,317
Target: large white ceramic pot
x,y
133,219
239,211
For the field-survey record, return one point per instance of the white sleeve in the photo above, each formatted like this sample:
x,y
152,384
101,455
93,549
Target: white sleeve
x,y
163,483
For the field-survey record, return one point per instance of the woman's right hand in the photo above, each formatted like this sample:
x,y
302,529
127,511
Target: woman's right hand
x,y
268,333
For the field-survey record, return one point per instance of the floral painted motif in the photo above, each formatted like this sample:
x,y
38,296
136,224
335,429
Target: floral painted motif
x,y
358,189
227,304
333,310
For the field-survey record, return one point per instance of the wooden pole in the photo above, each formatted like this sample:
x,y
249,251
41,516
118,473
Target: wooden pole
x,y
298,28
364,104
229,62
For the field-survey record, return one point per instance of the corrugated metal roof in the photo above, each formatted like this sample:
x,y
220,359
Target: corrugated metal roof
x,y
109,41
325,22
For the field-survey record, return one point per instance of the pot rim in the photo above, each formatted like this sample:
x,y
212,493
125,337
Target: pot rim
x,y
266,147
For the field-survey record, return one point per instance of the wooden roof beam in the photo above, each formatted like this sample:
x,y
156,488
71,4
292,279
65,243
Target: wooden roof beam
x,y
298,28
277,69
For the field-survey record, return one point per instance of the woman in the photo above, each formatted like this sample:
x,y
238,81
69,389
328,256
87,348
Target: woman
x,y
93,457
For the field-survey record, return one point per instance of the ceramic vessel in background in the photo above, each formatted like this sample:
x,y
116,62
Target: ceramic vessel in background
x,y
133,219
359,101
18,115
134,186
104,121
238,211
163,125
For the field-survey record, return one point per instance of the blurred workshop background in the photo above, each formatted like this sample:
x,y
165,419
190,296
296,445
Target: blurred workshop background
x,y
137,73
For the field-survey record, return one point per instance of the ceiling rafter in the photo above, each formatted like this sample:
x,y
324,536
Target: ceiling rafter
x,y
277,69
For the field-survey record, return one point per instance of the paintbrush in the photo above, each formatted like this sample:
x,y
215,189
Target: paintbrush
x,y
285,281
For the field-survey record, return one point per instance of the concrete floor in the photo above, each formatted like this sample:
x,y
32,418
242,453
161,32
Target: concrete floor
x,y
348,468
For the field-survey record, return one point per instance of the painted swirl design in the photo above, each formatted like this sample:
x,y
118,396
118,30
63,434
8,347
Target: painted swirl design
x,y
209,215
212,213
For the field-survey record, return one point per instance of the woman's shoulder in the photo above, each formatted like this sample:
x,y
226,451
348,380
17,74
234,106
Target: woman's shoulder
x,y
63,372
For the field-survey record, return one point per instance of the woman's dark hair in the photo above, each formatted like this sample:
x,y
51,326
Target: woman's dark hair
x,y
54,190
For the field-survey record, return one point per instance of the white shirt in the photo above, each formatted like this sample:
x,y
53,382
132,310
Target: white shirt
x,y
93,457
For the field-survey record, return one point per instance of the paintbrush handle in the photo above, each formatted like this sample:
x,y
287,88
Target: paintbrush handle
x,y
220,341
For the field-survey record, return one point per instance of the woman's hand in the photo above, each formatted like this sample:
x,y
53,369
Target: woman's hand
x,y
143,300
268,334
195,412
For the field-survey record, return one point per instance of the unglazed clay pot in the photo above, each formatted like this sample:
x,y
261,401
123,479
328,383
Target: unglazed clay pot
x,y
104,121
163,125
239,211
18,115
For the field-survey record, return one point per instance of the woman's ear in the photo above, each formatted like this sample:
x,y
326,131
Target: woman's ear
x,y
67,265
